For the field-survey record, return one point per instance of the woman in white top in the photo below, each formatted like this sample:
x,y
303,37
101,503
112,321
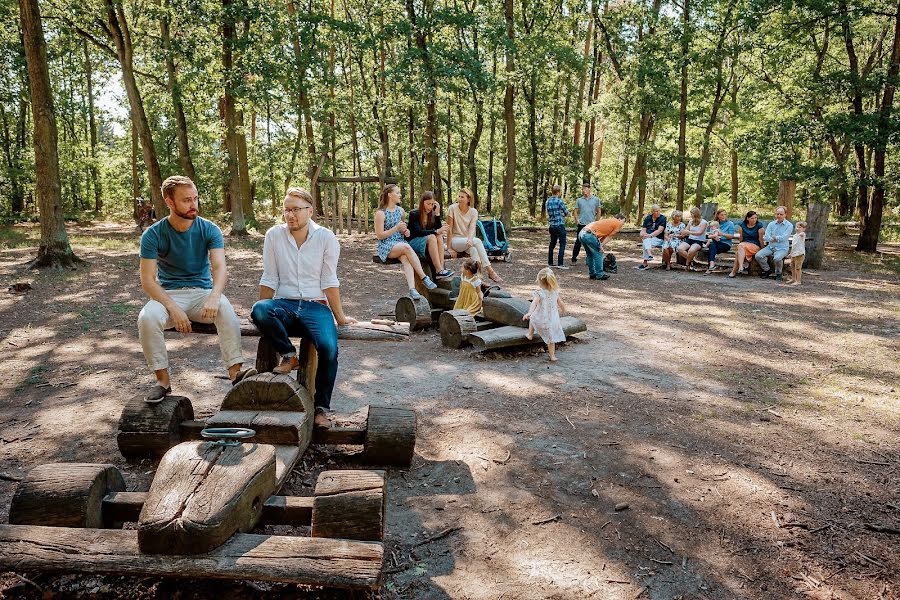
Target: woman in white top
x,y
463,219
696,237
391,229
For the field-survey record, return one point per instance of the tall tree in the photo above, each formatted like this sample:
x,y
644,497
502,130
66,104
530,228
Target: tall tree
x,y
54,249
509,114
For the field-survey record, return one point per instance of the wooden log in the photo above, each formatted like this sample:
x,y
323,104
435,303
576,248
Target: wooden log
x,y
202,494
297,560
286,458
149,430
390,436
267,358
440,298
65,495
125,507
349,505
816,232
190,429
349,436
364,330
456,325
268,391
271,427
507,335
416,313
507,311
309,364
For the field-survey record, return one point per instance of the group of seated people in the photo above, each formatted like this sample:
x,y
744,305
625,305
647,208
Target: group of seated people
x,y
423,236
749,238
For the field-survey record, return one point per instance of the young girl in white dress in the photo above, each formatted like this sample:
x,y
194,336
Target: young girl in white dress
x,y
543,315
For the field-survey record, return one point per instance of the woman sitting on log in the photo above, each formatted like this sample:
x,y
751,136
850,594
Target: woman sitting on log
x,y
751,234
696,237
427,234
390,229
462,219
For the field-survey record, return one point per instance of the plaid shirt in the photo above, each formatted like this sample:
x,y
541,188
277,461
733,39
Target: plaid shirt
x,y
556,211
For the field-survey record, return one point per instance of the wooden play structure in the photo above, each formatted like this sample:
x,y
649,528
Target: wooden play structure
x,y
216,481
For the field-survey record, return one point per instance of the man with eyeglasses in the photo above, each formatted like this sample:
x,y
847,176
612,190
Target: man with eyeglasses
x,y
299,294
183,271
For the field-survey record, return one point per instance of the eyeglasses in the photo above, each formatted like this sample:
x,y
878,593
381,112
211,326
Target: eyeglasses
x,y
296,211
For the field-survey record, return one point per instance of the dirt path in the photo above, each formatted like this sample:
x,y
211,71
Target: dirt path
x,y
752,429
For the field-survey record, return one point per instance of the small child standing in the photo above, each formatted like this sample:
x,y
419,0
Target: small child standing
x,y
798,252
470,294
543,314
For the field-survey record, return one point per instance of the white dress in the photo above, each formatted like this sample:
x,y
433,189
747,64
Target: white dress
x,y
545,317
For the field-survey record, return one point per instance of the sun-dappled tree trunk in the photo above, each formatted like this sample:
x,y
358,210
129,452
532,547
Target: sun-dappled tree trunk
x,y
181,130
509,177
92,128
230,119
54,249
682,106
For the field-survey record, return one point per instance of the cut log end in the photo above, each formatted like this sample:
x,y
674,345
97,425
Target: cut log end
x,y
390,436
456,325
65,495
149,430
417,313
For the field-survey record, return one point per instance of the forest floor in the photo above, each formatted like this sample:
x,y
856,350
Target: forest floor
x,y
753,429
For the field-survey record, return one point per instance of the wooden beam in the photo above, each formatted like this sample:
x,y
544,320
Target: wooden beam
x,y
125,507
350,436
363,330
299,560
507,335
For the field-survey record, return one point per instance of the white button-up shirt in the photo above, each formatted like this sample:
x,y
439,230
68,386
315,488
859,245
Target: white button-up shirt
x,y
300,273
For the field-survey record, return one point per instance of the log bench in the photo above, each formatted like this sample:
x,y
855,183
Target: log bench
x,y
501,326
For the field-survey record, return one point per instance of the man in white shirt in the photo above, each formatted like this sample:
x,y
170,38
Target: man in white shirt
x,y
299,294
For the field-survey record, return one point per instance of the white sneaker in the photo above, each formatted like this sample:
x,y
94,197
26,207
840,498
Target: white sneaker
x,y
562,267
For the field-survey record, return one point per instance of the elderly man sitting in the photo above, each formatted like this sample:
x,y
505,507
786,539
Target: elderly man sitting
x,y
777,239
653,232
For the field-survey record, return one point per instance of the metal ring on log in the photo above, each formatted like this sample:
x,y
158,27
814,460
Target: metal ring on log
x,y
65,495
415,312
349,505
456,325
390,436
149,430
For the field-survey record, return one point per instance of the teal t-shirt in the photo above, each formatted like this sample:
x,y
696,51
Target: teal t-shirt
x,y
182,259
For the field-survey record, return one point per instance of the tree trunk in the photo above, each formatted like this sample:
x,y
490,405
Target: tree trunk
x,y
121,36
816,230
244,170
473,146
135,173
509,177
184,150
871,219
576,140
92,129
786,191
589,129
490,174
682,108
430,179
530,93
229,115
54,249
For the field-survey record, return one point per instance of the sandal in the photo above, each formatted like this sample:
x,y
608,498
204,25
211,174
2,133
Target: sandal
x,y
157,393
732,275
494,276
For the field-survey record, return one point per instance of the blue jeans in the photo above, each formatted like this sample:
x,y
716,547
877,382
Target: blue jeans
x,y
278,319
717,248
594,253
557,233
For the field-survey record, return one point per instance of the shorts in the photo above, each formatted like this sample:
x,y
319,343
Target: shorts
x,y
419,245
750,249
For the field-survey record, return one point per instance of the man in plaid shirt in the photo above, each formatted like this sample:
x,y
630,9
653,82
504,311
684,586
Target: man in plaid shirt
x,y
556,216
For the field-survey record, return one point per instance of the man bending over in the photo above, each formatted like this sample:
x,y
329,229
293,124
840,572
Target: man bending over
x,y
299,294
183,271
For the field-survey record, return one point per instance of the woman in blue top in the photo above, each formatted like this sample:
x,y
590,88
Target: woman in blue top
x,y
390,229
721,240
751,234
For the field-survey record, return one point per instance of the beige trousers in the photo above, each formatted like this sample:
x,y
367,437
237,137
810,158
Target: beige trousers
x,y
477,251
154,319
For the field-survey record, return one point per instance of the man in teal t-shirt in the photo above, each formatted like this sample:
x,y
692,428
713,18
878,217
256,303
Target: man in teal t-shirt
x,y
183,271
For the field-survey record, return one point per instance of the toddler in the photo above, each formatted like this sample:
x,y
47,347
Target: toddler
x,y
712,233
543,314
798,252
470,294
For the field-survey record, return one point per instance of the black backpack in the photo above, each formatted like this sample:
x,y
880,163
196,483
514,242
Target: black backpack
x,y
609,263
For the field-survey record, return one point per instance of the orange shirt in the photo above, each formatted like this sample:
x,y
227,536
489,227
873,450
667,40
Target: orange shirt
x,y
605,227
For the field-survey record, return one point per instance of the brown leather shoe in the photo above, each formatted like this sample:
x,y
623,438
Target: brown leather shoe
x,y
287,365
321,420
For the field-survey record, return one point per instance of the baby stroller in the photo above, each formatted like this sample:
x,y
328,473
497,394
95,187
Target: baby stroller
x,y
493,235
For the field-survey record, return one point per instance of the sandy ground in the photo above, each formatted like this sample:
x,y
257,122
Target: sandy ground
x,y
751,428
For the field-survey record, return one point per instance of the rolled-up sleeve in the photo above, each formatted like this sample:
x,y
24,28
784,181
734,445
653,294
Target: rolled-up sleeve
x,y
332,251
270,265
